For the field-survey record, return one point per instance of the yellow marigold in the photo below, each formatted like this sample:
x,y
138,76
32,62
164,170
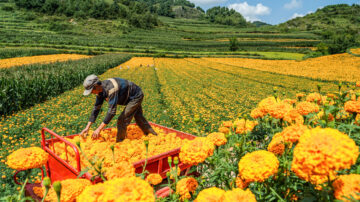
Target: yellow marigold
x,y
266,104
244,126
196,151
321,116
257,113
277,144
27,158
70,189
293,133
357,84
238,195
352,106
314,97
293,117
224,130
304,108
212,194
186,186
217,139
154,178
342,114
347,186
227,124
127,189
38,191
121,169
240,183
278,110
257,166
91,193
321,152
289,101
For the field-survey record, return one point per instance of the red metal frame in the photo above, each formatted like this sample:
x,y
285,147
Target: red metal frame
x,y
59,169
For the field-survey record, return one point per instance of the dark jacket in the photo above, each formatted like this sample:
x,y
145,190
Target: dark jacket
x,y
126,92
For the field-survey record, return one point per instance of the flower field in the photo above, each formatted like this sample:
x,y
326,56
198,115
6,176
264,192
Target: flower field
x,y
264,134
41,59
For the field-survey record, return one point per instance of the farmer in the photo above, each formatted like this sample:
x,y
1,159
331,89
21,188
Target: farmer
x,y
116,91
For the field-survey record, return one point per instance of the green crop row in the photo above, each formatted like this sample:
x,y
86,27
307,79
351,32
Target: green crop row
x,y
24,86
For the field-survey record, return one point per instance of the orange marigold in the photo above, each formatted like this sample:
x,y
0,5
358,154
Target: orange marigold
x,y
304,108
212,194
321,152
217,139
121,169
294,132
289,101
70,189
278,110
347,186
92,193
239,195
186,186
357,84
257,113
27,158
240,183
244,126
196,151
314,97
224,130
227,124
352,106
266,104
277,144
300,95
154,178
257,166
134,132
293,117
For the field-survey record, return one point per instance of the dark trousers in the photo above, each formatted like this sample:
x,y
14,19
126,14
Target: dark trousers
x,y
132,109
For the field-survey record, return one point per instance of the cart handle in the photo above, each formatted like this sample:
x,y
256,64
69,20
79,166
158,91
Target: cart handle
x,y
53,134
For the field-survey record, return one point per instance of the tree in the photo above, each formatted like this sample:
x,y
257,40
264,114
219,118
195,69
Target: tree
x,y
234,45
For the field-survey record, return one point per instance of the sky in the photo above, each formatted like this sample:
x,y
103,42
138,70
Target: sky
x,y
271,11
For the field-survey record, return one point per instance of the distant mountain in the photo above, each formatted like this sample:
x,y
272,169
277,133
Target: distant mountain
x,y
330,17
259,23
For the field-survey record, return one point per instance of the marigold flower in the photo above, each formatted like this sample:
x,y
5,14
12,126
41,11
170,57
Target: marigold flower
x,y
357,84
27,158
277,144
217,139
186,186
289,101
278,110
212,194
227,124
224,130
257,166
322,152
352,106
300,95
293,117
293,133
134,132
121,169
304,108
240,183
196,151
266,104
347,186
342,114
120,189
257,113
314,97
238,195
70,189
154,179
244,126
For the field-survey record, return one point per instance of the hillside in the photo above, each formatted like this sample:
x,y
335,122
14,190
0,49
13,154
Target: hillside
x,y
330,17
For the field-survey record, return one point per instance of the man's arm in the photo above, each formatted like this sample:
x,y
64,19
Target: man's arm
x,y
95,112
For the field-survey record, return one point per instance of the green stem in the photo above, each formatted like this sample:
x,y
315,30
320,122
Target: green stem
x,y
146,159
46,192
23,187
276,194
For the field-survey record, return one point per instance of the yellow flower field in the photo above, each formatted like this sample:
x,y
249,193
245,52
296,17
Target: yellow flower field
x,y
43,59
356,51
339,67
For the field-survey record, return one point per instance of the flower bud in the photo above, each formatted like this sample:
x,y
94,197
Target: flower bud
x,y
78,143
176,160
57,188
112,147
168,174
146,142
169,160
47,182
197,118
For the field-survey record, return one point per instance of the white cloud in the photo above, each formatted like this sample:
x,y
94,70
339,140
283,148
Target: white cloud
x,y
207,2
295,15
293,4
249,12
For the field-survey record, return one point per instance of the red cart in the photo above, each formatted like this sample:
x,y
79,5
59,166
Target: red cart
x,y
59,169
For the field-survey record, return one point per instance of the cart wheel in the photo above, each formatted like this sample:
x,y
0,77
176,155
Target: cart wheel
x,y
18,171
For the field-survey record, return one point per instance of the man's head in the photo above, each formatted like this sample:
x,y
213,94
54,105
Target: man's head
x,y
91,83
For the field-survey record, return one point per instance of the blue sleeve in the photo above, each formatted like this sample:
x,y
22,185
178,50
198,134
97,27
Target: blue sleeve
x,y
95,112
113,100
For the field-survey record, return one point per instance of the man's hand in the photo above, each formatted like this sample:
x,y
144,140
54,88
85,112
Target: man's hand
x,y
84,132
96,134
